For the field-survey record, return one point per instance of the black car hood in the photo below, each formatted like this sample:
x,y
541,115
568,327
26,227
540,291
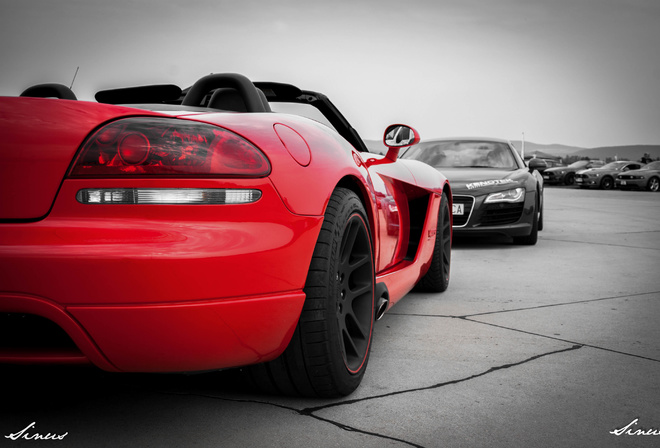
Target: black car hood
x,y
554,169
477,181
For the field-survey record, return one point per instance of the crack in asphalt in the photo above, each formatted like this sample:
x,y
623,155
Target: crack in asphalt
x,y
550,305
470,318
560,339
310,411
596,243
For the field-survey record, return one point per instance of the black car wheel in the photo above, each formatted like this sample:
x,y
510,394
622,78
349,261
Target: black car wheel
x,y
539,225
437,277
328,353
532,238
569,179
607,183
653,184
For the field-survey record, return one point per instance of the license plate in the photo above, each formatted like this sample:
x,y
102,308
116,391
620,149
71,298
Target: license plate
x,y
623,182
458,209
578,180
546,177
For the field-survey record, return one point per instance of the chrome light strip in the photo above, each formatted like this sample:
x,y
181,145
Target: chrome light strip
x,y
168,196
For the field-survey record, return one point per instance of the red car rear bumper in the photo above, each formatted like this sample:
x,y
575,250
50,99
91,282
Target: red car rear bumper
x,y
158,288
163,338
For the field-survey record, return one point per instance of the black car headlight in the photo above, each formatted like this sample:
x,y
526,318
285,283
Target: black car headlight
x,y
515,195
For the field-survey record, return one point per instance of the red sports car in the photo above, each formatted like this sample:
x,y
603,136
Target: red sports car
x,y
161,230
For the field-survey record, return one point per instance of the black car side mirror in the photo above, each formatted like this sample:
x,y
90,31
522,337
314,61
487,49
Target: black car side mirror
x,y
535,164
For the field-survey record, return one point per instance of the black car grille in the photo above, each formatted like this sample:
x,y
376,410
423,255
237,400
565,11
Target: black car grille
x,y
581,176
626,176
468,202
500,214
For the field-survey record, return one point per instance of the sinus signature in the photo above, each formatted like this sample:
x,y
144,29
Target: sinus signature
x,y
25,435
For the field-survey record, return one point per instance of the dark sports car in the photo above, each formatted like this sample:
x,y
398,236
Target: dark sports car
x,y
647,177
204,231
566,174
603,177
494,191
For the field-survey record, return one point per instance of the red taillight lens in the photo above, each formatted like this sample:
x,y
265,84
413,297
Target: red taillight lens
x,y
168,147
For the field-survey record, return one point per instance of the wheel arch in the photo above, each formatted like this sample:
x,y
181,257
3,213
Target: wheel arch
x,y
355,184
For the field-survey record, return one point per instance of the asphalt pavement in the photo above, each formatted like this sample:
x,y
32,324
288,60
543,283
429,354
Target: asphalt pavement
x,y
553,345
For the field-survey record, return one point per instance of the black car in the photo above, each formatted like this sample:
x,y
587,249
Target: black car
x,y
566,174
645,178
494,191
604,176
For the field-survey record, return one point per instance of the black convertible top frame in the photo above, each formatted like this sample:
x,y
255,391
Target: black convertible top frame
x,y
287,93
199,94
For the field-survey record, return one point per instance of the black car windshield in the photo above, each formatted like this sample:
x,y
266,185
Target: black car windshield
x,y
579,164
464,154
652,166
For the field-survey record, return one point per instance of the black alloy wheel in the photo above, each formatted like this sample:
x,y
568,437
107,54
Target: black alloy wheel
x,y
329,350
653,184
437,277
539,224
532,238
607,183
569,179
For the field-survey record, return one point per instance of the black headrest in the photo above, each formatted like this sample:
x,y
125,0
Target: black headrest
x,y
50,91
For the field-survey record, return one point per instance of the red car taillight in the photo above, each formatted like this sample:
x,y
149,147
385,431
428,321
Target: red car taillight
x,y
167,147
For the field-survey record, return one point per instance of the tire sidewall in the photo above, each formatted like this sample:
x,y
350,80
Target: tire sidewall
x,y
345,380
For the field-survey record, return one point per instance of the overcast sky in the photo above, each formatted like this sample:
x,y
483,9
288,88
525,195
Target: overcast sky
x,y
576,72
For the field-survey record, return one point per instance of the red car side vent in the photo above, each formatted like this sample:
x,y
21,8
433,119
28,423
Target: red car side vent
x,y
143,146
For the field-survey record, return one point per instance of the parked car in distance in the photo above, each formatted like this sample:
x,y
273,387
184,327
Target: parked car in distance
x,y
647,177
566,174
541,164
603,177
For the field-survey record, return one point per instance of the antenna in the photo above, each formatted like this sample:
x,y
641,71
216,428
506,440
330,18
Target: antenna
x,y
74,77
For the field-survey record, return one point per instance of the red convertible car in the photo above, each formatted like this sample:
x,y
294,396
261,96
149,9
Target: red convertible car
x,y
161,230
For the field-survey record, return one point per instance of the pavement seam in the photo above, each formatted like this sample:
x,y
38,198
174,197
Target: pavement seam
x,y
465,316
561,340
302,412
445,383
309,412
595,243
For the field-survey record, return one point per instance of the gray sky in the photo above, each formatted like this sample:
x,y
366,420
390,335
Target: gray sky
x,y
575,72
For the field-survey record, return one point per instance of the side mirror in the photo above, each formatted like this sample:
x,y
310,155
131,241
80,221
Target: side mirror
x,y
535,164
399,136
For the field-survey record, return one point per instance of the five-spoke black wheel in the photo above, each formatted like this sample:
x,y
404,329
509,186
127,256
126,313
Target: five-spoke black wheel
x,y
328,354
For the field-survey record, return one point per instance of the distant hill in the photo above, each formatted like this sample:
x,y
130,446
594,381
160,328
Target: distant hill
x,y
632,152
624,152
554,149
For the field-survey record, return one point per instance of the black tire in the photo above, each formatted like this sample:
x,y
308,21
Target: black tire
x,y
532,238
329,350
539,225
653,184
569,179
437,277
607,183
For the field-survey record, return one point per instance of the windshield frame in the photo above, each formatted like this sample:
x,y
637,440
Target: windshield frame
x,y
503,156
